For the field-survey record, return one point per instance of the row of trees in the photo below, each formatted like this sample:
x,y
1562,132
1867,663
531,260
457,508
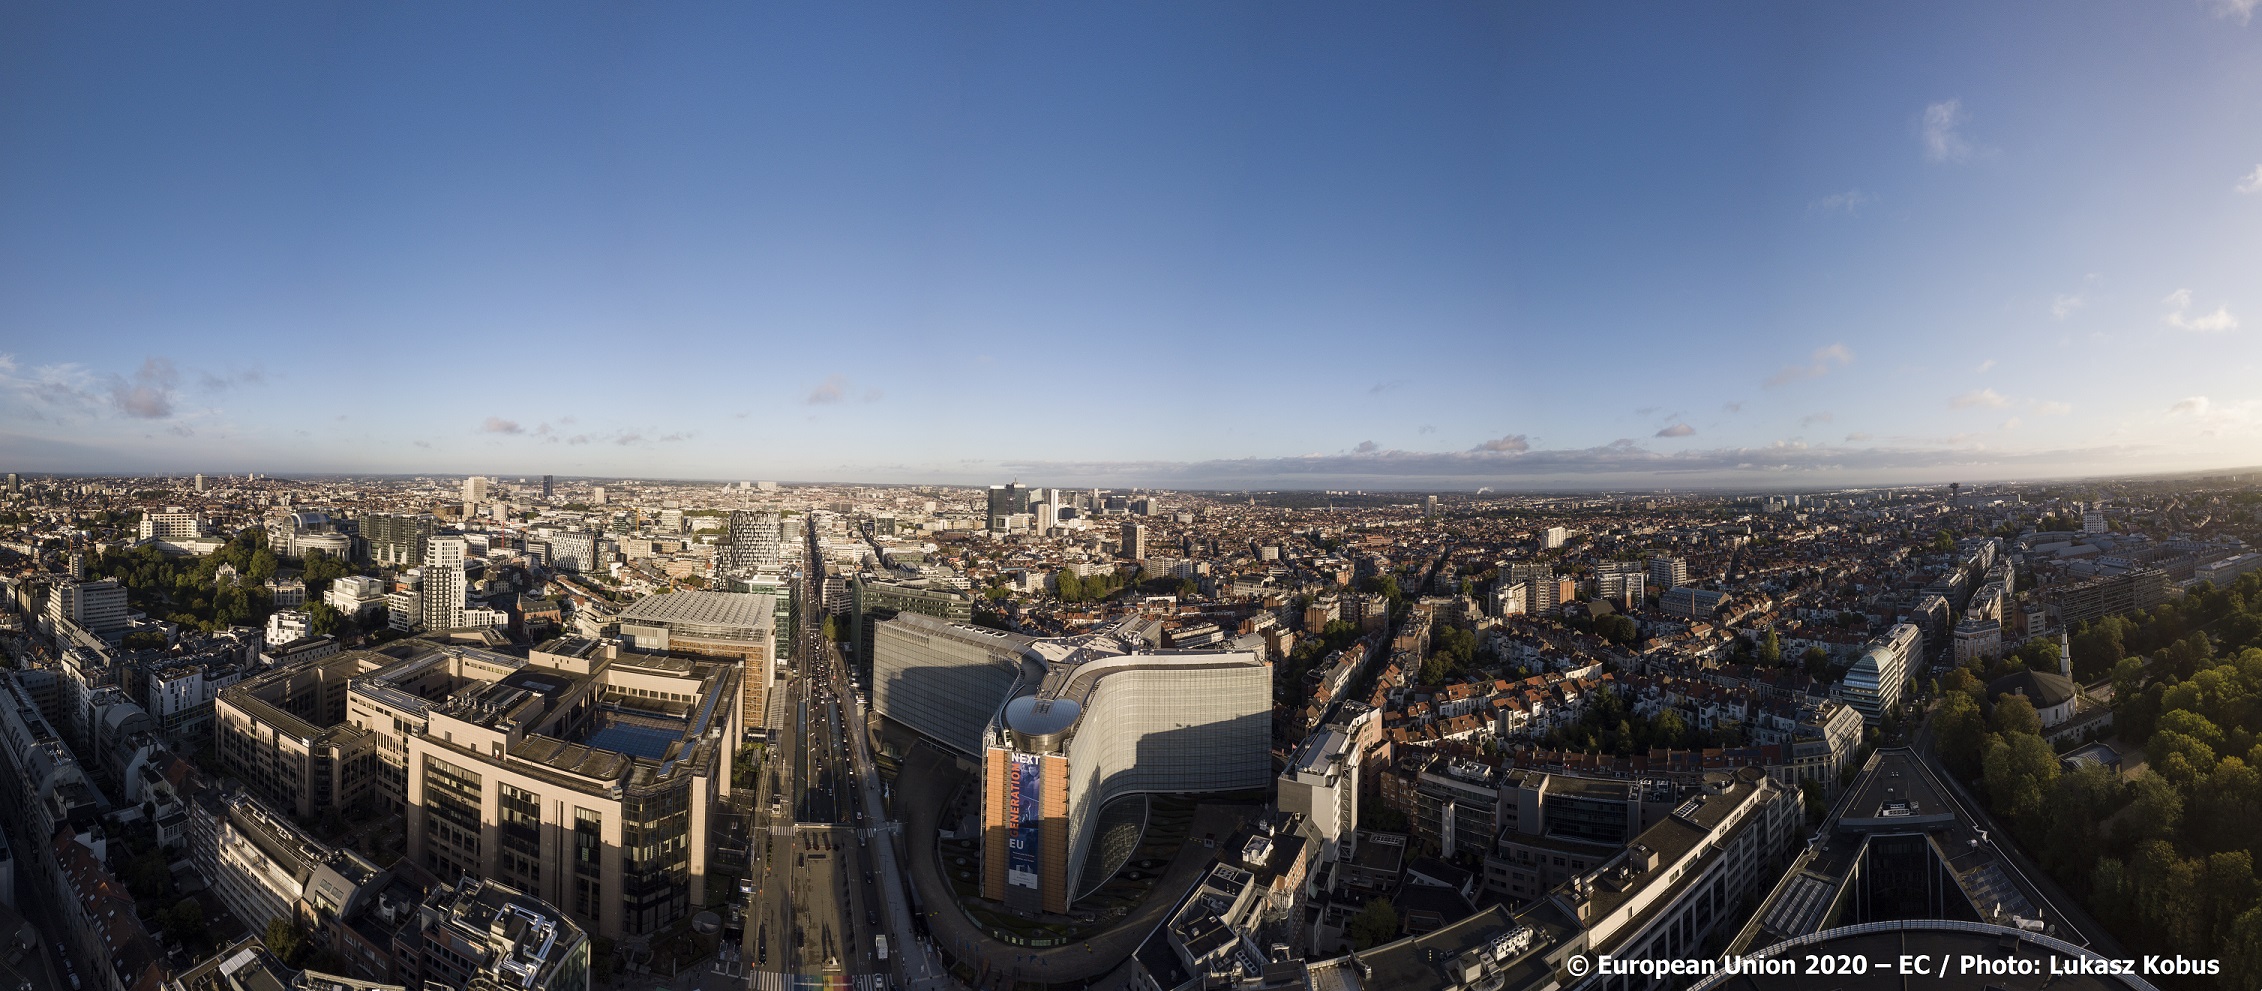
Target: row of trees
x,y
1087,588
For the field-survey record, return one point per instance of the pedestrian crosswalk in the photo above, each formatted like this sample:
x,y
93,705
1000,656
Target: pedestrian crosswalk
x,y
771,980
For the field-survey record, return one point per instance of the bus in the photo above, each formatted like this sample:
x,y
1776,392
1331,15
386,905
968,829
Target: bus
x,y
880,943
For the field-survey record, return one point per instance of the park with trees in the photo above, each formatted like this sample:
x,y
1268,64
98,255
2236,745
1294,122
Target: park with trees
x,y
2165,855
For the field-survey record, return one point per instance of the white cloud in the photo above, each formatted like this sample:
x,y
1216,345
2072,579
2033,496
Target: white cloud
x,y
1985,365
2063,306
149,395
1988,398
828,391
1847,203
2191,406
498,425
1511,444
2011,424
2252,183
2241,11
2179,315
1677,430
1367,447
1943,137
2053,408
1820,363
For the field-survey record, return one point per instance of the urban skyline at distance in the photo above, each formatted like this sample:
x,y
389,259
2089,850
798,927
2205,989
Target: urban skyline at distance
x,y
1757,247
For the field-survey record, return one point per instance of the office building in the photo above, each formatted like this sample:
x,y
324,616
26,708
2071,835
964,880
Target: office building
x,y
1135,541
474,490
356,596
200,481
1553,537
575,550
734,626
404,602
754,543
1321,783
264,867
1875,683
876,601
2096,598
397,539
1005,501
1670,893
1095,723
549,490
98,608
581,774
1555,827
1899,848
444,586
942,679
481,935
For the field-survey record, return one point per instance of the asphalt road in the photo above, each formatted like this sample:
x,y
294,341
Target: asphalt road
x,y
816,905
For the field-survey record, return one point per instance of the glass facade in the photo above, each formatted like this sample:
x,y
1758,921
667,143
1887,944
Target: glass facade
x,y
655,857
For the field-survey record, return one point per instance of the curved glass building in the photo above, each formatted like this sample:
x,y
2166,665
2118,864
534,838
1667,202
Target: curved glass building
x,y
1064,726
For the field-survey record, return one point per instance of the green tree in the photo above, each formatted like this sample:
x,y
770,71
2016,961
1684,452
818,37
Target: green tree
x,y
284,940
261,566
1616,628
1071,588
1943,542
325,619
2038,655
184,921
2155,811
1770,650
1816,661
2015,715
1959,734
2017,770
1375,925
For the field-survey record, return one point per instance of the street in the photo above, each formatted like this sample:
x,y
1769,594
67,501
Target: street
x,y
826,892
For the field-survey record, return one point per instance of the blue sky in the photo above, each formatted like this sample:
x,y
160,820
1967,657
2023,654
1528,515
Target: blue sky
x,y
1525,246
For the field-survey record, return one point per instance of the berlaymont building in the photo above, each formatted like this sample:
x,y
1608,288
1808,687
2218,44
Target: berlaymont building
x,y
1071,733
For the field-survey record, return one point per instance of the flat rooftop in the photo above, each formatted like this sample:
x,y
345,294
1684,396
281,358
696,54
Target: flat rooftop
x,y
695,608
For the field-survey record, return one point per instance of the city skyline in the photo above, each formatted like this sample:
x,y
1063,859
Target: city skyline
x,y
1760,247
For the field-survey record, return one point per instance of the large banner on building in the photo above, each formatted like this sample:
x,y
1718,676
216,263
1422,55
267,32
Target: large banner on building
x,y
1022,813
